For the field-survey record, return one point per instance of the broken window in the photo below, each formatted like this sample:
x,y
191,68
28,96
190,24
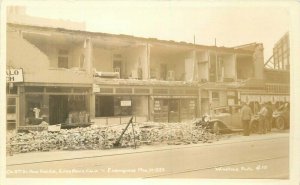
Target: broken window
x,y
117,64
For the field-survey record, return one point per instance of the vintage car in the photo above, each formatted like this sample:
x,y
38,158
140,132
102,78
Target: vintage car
x,y
227,120
281,117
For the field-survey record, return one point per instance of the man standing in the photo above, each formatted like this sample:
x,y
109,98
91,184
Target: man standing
x,y
269,116
262,119
246,114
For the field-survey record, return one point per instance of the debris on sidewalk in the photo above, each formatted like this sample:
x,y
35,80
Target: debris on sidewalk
x,y
96,137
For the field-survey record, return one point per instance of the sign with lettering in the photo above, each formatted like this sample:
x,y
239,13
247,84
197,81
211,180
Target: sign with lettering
x,y
96,88
125,103
14,75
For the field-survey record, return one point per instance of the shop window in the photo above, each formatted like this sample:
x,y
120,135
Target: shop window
x,y
34,89
58,89
106,90
104,106
215,95
11,88
117,64
160,91
32,103
63,59
80,90
123,90
145,91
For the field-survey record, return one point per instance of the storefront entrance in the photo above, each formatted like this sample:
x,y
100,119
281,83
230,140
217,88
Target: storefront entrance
x,y
174,110
58,109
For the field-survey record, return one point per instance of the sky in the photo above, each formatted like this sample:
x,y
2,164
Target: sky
x,y
231,24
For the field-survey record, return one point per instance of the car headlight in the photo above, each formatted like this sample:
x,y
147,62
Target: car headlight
x,y
206,118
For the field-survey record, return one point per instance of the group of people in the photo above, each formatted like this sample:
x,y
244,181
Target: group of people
x,y
265,118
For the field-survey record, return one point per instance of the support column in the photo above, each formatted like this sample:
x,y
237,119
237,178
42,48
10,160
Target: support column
x,y
148,66
92,105
88,55
22,105
199,103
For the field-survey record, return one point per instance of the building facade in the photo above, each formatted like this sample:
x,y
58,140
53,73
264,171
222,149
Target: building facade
x,y
70,73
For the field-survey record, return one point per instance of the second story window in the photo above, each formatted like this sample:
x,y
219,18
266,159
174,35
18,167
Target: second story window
x,y
63,59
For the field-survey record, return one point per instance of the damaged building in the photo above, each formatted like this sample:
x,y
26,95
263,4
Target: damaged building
x,y
73,76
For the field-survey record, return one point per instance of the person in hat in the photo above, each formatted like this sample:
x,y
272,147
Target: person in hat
x,y
246,114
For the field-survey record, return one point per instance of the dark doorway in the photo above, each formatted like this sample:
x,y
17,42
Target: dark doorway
x,y
58,109
174,110
104,106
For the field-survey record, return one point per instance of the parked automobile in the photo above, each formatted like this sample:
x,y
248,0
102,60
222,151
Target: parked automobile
x,y
281,117
227,120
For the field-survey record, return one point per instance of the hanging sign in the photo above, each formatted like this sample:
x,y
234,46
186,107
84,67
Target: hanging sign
x,y
14,75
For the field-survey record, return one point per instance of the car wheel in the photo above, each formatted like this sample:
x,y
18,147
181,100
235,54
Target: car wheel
x,y
280,125
216,128
254,127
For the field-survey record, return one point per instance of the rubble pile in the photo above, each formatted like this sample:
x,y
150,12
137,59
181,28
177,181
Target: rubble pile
x,y
72,139
96,137
175,133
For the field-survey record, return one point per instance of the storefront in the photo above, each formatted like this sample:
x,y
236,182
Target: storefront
x,y
173,105
173,108
54,104
120,105
255,100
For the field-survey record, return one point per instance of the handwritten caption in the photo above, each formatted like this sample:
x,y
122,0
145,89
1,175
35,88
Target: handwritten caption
x,y
259,167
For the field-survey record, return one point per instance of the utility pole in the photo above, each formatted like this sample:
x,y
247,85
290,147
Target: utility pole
x,y
194,40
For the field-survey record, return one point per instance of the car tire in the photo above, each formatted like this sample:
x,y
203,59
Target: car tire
x,y
280,123
254,127
216,128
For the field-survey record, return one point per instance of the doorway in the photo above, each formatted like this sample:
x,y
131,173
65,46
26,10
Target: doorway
x,y
174,110
58,109
104,106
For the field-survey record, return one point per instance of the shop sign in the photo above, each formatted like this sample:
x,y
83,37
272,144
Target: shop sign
x,y
96,88
125,103
11,116
14,75
157,105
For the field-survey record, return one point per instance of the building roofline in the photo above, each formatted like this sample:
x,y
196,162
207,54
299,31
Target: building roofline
x,y
122,36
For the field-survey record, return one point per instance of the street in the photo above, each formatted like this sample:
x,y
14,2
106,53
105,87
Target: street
x,y
258,156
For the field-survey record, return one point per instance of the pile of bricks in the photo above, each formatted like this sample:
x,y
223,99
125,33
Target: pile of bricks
x,y
95,137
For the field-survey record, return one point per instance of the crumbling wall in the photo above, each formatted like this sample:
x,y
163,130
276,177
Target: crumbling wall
x,y
229,66
102,59
22,54
258,60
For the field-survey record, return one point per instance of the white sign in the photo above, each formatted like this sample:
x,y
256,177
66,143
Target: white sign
x,y
125,103
96,88
14,75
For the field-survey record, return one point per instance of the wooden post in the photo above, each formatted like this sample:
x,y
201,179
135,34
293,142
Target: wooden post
x,y
133,135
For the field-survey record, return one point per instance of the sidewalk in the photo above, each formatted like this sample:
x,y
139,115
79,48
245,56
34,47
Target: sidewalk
x,y
37,157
